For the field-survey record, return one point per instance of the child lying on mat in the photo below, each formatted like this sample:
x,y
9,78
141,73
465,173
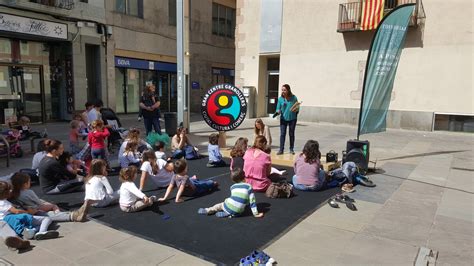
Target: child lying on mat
x,y
187,186
241,196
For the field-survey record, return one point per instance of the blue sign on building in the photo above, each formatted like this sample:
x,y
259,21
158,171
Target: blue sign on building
x,y
144,64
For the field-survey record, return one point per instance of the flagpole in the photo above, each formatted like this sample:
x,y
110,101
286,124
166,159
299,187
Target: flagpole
x,y
368,61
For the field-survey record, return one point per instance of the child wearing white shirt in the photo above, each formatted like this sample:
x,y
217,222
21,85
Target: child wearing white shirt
x,y
159,170
131,198
160,150
98,189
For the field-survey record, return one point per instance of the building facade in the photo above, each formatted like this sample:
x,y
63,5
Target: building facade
x,y
52,57
312,46
141,49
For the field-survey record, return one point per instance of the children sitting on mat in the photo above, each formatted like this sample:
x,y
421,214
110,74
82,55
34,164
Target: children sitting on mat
x,y
241,195
98,189
131,198
22,221
26,198
130,155
187,186
215,156
159,170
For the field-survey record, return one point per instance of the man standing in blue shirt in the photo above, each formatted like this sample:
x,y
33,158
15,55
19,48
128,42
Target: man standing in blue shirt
x,y
288,117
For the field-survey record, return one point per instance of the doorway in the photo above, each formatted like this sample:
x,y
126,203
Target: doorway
x,y
25,84
93,72
273,78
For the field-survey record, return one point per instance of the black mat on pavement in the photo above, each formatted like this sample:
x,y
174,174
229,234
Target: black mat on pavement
x,y
219,240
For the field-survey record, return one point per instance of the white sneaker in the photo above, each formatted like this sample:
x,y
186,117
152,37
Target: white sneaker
x,y
29,233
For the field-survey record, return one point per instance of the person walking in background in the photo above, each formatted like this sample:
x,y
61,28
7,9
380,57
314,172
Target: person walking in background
x,y
287,108
150,105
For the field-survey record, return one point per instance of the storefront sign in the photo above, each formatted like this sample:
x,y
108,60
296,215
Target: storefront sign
x,y
224,107
144,64
69,85
33,26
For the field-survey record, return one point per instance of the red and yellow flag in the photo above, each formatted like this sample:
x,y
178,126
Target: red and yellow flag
x,y
372,13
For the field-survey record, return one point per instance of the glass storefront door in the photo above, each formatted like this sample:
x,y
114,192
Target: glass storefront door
x,y
272,91
31,95
131,82
133,90
25,83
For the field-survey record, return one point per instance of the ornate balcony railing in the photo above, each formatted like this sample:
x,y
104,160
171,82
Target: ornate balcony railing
x,y
65,4
350,14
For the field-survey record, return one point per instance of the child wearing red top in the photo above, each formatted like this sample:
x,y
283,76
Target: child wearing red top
x,y
96,139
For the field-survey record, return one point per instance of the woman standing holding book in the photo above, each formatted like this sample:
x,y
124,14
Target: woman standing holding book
x,y
287,108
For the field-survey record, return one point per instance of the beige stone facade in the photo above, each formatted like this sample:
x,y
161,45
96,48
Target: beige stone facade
x,y
152,37
325,67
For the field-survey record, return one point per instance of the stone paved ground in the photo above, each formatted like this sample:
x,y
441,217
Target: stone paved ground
x,y
423,198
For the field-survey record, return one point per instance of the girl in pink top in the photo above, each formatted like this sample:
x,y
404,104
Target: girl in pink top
x,y
308,172
257,165
97,138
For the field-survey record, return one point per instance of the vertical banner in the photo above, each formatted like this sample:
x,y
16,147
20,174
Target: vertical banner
x,y
69,85
372,13
381,68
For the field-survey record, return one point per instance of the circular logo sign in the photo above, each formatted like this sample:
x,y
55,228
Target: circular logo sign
x,y
224,107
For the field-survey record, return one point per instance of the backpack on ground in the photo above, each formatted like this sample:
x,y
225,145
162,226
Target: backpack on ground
x,y
279,190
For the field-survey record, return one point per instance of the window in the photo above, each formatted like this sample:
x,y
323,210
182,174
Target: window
x,y
223,20
130,7
172,12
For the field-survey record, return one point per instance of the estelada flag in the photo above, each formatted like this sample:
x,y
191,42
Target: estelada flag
x,y
372,13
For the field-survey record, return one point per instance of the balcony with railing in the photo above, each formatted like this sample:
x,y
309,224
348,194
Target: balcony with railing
x,y
75,9
65,4
350,14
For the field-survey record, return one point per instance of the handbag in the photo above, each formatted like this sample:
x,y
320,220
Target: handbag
x,y
279,190
331,156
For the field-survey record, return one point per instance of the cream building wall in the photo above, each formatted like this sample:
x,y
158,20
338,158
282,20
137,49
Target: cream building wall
x,y
152,38
324,67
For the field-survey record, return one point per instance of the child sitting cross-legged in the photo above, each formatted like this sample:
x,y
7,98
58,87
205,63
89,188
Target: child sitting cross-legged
x,y
22,221
215,156
131,198
241,195
187,186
